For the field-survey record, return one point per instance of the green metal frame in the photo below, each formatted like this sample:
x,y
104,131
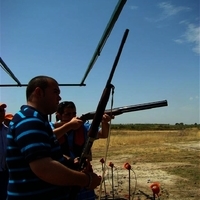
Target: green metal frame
x,y
97,52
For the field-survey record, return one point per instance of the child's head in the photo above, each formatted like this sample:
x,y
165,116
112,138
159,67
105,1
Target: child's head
x,y
66,111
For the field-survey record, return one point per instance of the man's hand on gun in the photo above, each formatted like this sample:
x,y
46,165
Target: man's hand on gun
x,y
94,180
75,123
106,118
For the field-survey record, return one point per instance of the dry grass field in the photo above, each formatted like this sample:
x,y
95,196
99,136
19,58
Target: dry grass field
x,y
171,158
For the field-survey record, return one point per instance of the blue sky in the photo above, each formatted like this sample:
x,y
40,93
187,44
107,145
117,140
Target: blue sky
x,y
159,61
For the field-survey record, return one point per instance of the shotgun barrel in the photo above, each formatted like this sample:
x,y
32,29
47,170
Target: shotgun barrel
x,y
125,109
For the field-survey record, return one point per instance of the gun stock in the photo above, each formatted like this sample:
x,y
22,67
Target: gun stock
x,y
125,109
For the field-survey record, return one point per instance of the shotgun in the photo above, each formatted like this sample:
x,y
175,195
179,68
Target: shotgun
x,y
101,107
125,109
92,133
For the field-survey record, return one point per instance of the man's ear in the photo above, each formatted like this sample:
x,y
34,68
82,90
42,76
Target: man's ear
x,y
38,91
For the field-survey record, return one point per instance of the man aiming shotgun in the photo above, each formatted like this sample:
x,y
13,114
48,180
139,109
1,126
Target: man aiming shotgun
x,y
114,112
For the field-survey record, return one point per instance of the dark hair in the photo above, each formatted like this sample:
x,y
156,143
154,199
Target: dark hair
x,y
38,81
65,104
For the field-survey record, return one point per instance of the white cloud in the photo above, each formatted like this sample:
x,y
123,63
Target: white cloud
x,y
192,32
179,41
192,98
168,10
171,10
134,7
184,22
192,35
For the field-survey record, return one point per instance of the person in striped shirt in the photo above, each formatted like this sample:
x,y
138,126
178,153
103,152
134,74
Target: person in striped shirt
x,y
37,167
3,146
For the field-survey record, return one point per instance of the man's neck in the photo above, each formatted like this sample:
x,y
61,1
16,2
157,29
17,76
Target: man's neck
x,y
38,108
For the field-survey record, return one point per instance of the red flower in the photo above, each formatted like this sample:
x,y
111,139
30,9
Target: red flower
x,y
127,166
155,187
111,164
102,160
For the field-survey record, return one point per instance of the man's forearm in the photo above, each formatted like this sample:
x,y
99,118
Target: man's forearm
x,y
56,173
62,129
104,130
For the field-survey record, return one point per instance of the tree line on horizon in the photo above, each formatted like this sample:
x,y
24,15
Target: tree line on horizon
x,y
176,126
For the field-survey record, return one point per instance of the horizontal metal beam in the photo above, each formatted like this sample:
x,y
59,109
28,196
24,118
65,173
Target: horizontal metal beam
x,y
24,85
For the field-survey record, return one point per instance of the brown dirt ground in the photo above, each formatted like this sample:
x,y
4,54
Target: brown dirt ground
x,y
141,176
